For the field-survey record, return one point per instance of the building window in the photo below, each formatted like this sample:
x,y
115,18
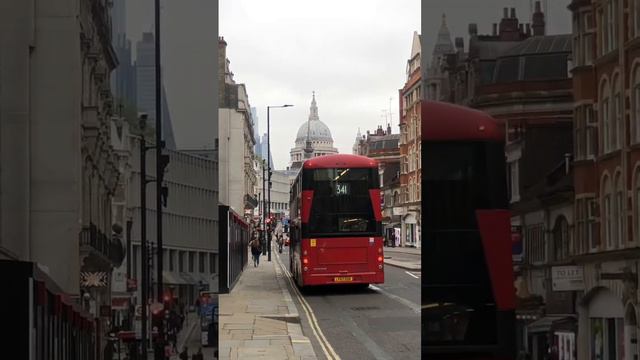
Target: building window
x,y
619,212
605,115
636,213
616,122
535,244
580,136
191,261
635,120
181,261
560,239
212,263
514,180
636,18
201,262
607,338
608,212
591,127
612,24
172,254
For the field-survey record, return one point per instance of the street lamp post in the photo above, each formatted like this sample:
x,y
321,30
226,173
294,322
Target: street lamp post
x,y
269,173
144,281
264,209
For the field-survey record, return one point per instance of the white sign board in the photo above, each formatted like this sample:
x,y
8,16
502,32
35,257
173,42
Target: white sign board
x,y
567,278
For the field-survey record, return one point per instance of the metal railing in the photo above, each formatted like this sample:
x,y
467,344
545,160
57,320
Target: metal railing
x,y
111,249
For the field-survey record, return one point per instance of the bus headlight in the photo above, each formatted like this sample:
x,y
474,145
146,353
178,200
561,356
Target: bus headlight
x,y
380,266
306,268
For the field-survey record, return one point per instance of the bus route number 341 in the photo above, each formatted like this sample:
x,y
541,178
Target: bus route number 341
x,y
342,189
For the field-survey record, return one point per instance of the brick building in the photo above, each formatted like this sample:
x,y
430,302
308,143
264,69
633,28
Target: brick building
x,y
606,86
410,148
384,146
521,77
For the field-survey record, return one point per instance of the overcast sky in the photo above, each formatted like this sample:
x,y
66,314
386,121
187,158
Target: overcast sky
x,y
352,53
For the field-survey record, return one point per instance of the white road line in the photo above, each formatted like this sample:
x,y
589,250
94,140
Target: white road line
x,y
328,350
410,274
411,305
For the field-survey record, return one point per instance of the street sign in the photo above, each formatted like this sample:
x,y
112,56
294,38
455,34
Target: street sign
x,y
93,279
567,278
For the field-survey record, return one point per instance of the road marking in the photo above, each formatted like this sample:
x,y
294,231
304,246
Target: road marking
x,y
410,274
411,305
328,350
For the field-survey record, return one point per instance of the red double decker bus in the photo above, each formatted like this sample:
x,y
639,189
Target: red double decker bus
x,y
468,295
336,222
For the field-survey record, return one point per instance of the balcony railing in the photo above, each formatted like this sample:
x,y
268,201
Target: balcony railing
x,y
250,202
91,237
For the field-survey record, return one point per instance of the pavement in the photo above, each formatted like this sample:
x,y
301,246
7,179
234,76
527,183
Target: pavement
x,y
407,258
259,320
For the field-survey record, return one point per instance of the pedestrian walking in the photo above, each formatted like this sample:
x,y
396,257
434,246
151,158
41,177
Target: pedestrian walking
x,y
255,251
198,355
280,241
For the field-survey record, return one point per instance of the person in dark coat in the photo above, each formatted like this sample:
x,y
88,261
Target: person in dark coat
x,y
184,355
198,355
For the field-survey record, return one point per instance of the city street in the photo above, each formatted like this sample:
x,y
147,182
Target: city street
x,y
381,322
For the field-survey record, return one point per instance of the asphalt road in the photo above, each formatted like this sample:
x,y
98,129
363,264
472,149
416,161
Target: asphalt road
x,y
381,322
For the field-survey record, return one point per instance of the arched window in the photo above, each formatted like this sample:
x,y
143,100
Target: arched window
x,y
635,121
605,118
616,118
619,212
607,213
560,239
636,213
636,17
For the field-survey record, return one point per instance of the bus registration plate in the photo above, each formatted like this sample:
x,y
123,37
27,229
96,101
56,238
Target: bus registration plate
x,y
343,279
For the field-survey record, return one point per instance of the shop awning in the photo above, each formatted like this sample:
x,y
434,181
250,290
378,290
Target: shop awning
x,y
188,278
544,324
169,277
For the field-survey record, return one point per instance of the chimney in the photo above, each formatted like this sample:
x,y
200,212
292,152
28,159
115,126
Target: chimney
x,y
538,24
460,44
505,14
513,13
528,29
473,29
495,29
388,129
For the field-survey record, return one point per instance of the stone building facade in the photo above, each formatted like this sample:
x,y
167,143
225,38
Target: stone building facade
x,y
59,167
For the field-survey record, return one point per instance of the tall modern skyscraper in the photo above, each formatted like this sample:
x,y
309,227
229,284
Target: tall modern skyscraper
x,y
146,88
264,149
123,79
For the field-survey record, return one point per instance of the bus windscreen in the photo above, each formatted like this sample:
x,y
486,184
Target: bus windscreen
x,y
341,203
